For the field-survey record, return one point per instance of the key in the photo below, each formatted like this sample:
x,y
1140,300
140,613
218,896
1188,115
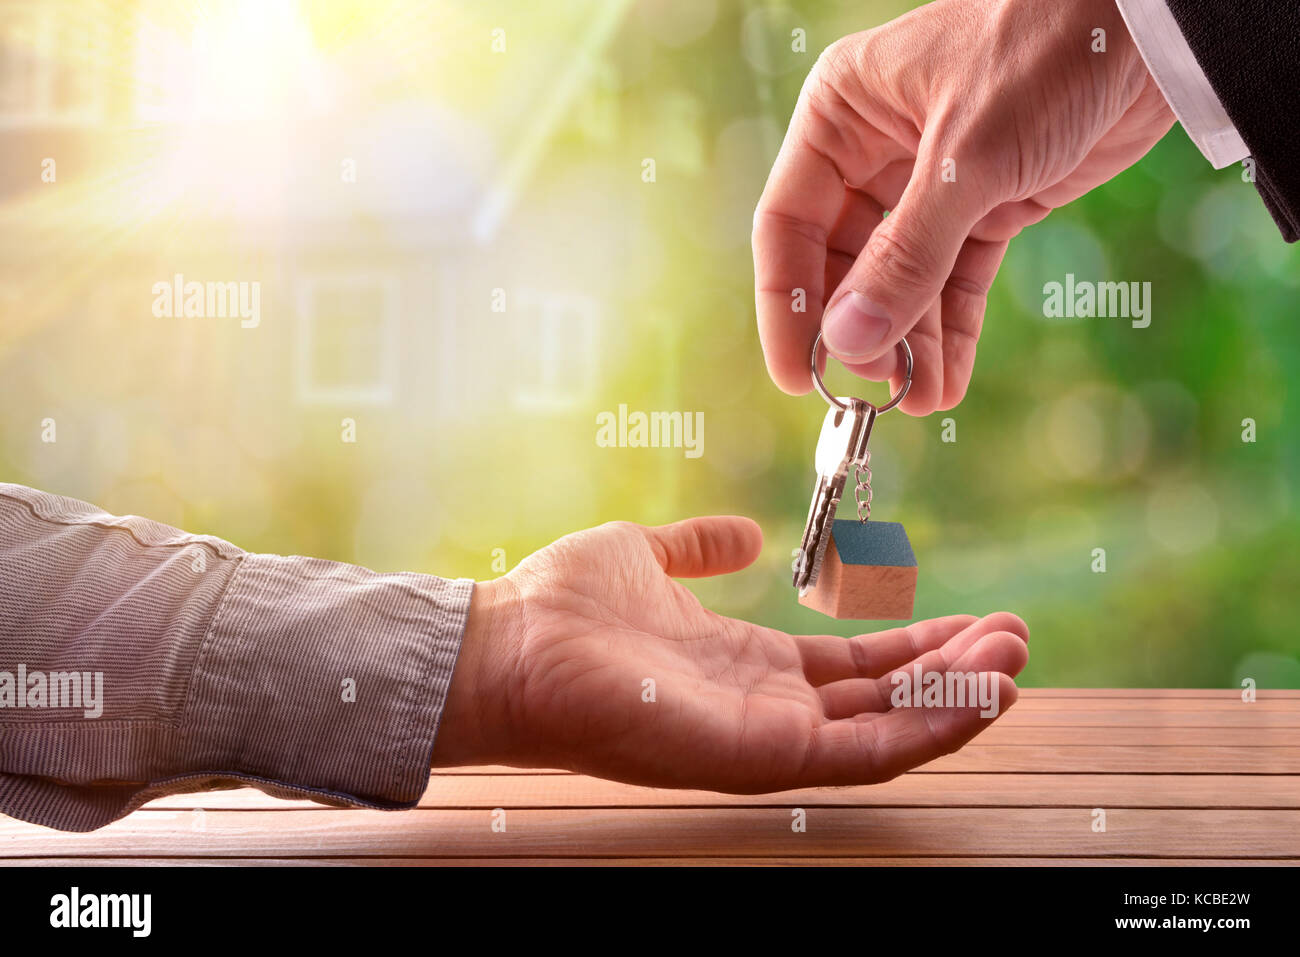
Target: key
x,y
842,446
849,569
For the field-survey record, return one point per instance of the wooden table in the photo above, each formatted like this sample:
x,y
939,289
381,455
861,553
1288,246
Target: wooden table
x,y
1182,776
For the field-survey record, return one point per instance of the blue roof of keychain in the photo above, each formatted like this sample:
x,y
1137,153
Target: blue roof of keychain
x,y
872,543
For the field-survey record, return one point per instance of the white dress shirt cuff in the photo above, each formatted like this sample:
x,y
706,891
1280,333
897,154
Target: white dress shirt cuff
x,y
1182,81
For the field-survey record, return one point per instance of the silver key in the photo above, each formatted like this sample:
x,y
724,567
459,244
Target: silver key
x,y
841,447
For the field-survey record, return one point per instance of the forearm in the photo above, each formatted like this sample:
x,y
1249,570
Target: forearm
x,y
301,676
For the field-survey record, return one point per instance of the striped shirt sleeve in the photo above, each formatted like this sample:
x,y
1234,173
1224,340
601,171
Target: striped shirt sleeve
x,y
137,660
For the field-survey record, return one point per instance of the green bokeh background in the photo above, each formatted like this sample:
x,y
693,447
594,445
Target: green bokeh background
x,y
521,171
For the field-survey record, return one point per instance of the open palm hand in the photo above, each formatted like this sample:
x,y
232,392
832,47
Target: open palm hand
x,y
589,656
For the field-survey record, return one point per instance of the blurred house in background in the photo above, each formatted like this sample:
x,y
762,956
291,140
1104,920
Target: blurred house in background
x,y
375,219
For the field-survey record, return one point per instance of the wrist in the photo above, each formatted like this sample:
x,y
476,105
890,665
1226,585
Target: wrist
x,y
475,719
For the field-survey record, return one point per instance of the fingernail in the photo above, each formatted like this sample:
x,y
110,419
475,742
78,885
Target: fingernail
x,y
854,327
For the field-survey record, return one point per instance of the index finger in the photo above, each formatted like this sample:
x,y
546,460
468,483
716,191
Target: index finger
x,y
794,217
828,148
828,658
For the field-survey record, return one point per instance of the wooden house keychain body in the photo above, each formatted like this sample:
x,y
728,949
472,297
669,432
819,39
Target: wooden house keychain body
x,y
846,568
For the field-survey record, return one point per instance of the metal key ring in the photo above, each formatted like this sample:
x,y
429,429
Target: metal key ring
x,y
836,403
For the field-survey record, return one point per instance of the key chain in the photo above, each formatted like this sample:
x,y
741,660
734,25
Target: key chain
x,y
849,569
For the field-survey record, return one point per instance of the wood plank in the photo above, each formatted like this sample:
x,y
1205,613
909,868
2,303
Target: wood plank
x,y
914,790
671,832
1127,759
642,862
1021,716
1286,705
1218,751
1186,735
1245,718
498,769
1233,693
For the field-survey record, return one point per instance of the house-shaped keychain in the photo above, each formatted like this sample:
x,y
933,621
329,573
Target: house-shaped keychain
x,y
869,572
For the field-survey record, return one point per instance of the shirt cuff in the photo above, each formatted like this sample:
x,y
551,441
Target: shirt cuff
x,y
326,680
1182,81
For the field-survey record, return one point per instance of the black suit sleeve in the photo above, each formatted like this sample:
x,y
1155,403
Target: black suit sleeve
x,y
1250,52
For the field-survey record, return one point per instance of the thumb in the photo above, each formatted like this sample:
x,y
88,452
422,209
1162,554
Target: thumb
x,y
710,545
905,263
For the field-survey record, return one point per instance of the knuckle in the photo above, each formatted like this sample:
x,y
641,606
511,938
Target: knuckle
x,y
771,224
902,261
1007,621
838,61
833,58
620,527
970,284
858,656
959,348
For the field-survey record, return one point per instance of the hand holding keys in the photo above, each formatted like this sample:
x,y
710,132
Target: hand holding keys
x,y
849,569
